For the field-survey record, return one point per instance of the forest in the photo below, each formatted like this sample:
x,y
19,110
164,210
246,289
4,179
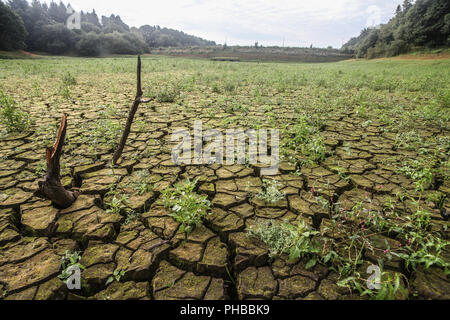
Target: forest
x,y
42,28
422,24
38,27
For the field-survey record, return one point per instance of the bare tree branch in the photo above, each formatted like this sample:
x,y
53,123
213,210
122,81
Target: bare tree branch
x,y
137,100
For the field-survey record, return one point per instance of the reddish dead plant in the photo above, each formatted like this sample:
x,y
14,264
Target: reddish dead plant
x,y
51,187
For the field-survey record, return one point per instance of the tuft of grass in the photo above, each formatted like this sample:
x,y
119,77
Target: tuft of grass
x,y
216,88
230,86
106,132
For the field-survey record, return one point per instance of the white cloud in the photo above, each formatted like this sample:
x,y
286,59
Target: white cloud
x,y
299,22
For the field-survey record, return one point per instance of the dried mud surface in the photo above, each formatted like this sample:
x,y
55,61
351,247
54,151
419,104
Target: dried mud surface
x,y
218,260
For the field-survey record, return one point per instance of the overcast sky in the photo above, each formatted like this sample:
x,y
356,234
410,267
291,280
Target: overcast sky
x,y
242,22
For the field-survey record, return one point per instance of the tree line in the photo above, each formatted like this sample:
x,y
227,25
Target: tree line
x,y
423,24
40,27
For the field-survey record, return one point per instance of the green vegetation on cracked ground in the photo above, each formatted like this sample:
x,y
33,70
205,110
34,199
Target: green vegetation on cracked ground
x,y
188,207
364,175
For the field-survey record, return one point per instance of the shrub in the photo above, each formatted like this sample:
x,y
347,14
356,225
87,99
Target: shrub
x,y
397,47
89,45
123,43
56,39
13,32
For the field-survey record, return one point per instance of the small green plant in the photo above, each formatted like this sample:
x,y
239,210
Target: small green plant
x,y
117,204
40,169
64,91
304,138
11,117
168,93
188,207
444,99
419,172
390,287
342,173
230,86
286,238
141,182
68,79
68,260
410,140
270,191
389,290
419,245
116,276
314,149
37,90
107,111
131,216
216,88
107,132
322,201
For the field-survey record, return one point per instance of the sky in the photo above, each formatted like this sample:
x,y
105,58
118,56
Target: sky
x,y
296,23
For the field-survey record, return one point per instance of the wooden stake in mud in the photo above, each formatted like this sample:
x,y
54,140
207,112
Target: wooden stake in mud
x,y
51,187
137,100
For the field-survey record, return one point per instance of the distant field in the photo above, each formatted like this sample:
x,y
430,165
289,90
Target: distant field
x,y
364,179
257,54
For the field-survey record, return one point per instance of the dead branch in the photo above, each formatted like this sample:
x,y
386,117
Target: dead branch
x,y
51,187
137,100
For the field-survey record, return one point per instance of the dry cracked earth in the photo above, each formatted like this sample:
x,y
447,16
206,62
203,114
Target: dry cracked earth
x,y
218,260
